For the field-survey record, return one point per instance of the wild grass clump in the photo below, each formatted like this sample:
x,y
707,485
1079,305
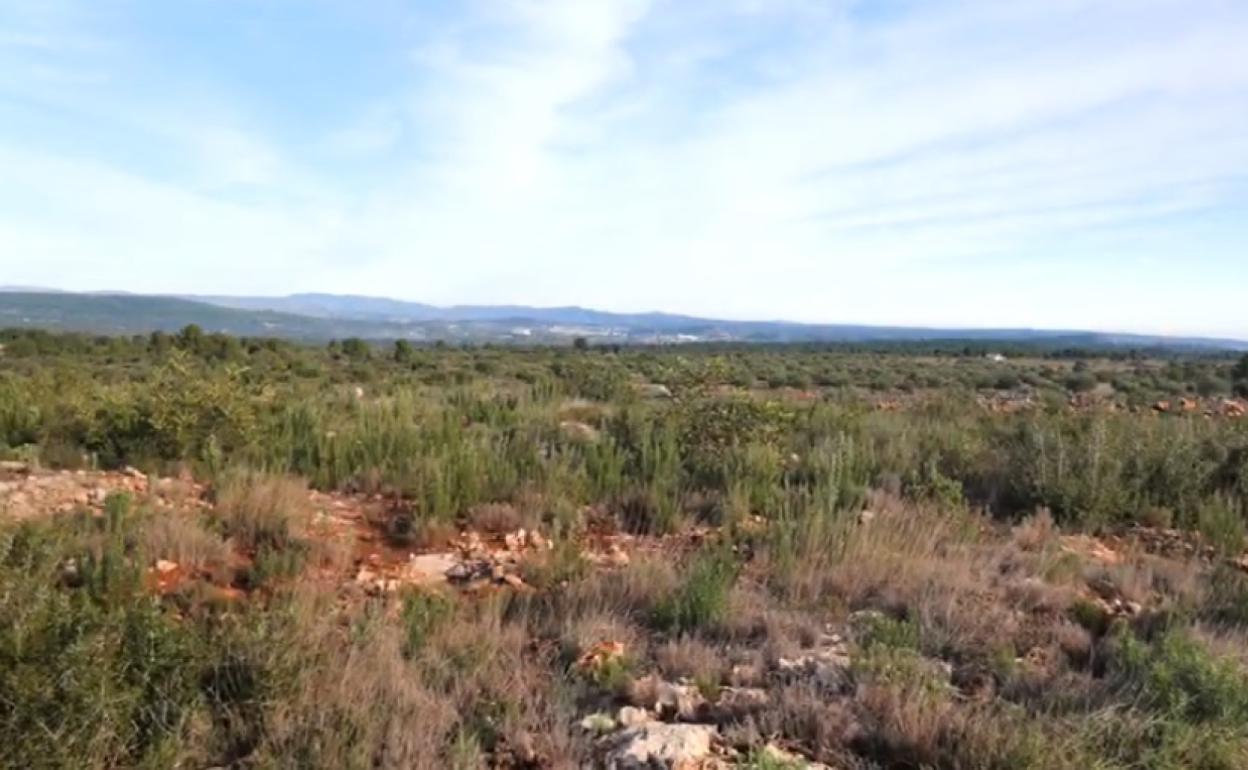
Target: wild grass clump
x,y
260,510
186,539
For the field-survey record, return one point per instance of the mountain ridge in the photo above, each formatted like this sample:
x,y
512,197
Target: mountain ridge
x,y
321,316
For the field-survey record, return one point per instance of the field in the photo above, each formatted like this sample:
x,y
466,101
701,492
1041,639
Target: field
x,y
225,552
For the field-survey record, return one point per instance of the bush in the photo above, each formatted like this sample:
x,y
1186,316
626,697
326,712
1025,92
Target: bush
x,y
701,600
1178,677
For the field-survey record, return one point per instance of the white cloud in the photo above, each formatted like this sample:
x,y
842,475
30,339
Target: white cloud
x,y
970,162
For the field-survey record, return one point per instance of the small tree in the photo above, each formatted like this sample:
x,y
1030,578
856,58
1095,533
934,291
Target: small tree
x,y
1239,377
1240,372
580,343
191,338
403,351
355,348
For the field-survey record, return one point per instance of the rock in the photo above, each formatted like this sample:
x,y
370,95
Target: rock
x,y
69,572
599,656
617,557
515,581
465,571
866,517
631,716
654,390
598,723
654,744
772,755
429,568
828,666
578,432
742,700
745,675
669,700
164,566
15,467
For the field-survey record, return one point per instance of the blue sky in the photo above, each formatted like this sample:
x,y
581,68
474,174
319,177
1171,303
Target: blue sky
x,y
1067,163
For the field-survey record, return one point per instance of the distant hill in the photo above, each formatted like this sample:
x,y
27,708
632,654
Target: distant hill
x,y
330,316
137,314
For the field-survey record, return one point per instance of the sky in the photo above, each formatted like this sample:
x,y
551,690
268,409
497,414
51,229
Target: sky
x,y
1050,164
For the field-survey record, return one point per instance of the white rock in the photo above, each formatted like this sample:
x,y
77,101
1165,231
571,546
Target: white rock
x,y
631,716
428,568
578,432
655,744
829,667
654,390
598,723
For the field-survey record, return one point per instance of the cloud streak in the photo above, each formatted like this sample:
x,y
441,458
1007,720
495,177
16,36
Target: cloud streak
x,y
1047,164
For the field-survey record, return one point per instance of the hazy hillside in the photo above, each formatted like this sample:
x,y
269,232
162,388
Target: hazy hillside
x,y
132,314
329,316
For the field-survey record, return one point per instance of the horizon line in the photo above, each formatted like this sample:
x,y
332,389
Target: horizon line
x,y
202,298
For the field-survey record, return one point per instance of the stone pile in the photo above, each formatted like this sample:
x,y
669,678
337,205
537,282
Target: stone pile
x,y
26,491
473,564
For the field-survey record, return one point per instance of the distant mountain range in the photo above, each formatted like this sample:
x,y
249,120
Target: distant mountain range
x,y
322,317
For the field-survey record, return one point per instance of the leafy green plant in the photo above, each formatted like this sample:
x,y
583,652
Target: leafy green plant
x,y
701,600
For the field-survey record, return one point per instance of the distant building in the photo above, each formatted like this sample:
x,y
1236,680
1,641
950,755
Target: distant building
x,y
996,358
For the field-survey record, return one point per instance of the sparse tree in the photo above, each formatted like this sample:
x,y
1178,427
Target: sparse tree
x,y
1239,377
356,348
191,337
403,351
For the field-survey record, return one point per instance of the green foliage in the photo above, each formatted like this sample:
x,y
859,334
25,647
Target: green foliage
x,y
1221,521
879,630
1091,616
423,612
701,600
1240,372
90,669
1177,676
451,428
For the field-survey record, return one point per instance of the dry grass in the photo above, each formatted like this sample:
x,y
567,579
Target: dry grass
x,y
262,509
495,518
182,537
692,659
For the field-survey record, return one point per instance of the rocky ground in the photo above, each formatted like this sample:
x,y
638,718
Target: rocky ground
x,y
660,717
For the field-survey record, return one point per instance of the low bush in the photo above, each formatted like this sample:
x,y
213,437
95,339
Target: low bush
x,y
701,600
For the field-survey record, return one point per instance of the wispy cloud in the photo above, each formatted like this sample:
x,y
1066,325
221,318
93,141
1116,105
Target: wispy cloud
x,y
968,162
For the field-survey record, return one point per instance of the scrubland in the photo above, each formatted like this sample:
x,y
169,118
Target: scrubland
x,y
782,557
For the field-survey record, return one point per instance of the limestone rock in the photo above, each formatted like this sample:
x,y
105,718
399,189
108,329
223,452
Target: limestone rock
x,y
654,744
631,716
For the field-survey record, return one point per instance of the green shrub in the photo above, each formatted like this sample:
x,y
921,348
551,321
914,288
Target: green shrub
x,y
1178,677
701,600
423,612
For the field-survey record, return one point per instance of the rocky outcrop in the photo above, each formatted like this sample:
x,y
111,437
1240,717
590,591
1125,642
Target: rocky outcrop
x,y
658,745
